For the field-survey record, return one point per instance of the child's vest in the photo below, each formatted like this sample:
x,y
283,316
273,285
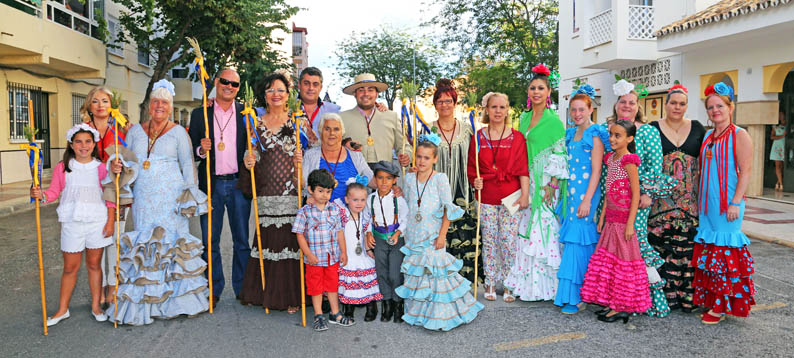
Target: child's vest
x,y
383,232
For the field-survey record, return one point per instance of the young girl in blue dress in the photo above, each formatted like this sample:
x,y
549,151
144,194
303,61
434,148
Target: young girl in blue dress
x,y
586,144
436,296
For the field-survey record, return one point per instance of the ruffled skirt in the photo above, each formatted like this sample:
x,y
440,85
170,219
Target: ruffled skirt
x,y
282,270
616,276
533,276
161,276
358,286
436,296
579,238
723,279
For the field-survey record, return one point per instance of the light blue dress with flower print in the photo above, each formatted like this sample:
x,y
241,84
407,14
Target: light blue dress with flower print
x,y
436,296
161,270
578,235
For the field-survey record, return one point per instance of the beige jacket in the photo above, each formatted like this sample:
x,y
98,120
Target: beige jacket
x,y
386,133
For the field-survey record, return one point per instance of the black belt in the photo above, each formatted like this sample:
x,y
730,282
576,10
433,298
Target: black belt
x,y
226,176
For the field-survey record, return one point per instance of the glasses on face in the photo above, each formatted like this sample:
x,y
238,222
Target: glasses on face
x,y
226,82
445,102
276,90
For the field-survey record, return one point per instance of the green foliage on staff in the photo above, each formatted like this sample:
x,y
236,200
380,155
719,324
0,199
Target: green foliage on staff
x,y
388,54
231,32
408,90
30,135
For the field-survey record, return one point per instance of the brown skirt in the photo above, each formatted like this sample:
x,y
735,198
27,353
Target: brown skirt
x,y
282,275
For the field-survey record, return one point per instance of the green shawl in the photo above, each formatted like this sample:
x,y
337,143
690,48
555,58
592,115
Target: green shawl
x,y
540,145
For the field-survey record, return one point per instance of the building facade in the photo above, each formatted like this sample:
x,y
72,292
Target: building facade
x,y
50,52
699,43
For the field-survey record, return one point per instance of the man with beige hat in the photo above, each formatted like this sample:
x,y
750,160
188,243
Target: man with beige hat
x,y
379,134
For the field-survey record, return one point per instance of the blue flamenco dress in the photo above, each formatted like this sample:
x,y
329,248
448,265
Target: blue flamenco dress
x,y
436,296
161,270
578,235
723,265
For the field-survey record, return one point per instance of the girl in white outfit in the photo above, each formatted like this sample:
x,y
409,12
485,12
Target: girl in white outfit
x,y
86,220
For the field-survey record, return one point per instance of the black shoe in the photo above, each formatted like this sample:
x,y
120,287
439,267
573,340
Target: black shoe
x,y
387,310
622,315
349,310
603,311
372,312
215,300
399,310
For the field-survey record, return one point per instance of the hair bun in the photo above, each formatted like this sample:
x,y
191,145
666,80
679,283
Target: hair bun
x,y
445,83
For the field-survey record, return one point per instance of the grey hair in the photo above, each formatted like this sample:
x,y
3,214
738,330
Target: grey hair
x,y
332,117
163,93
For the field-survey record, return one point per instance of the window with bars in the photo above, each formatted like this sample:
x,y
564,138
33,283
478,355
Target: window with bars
x,y
18,96
77,102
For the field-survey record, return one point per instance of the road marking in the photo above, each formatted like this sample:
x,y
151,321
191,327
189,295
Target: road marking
x,y
768,306
534,342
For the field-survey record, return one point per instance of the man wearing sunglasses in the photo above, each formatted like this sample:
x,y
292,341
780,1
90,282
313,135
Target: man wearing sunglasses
x,y
225,148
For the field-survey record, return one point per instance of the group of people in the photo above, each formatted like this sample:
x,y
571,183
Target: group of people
x,y
635,217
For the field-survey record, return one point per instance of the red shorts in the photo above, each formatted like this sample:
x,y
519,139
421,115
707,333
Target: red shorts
x,y
321,279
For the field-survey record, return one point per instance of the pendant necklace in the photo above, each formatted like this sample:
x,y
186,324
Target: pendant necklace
x,y
714,140
221,145
419,201
358,233
147,163
368,119
495,149
451,137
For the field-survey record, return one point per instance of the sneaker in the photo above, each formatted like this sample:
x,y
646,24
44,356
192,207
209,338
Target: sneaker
x,y
341,320
319,323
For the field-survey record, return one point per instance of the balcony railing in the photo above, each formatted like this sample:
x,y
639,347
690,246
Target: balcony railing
x,y
28,6
601,28
80,17
641,22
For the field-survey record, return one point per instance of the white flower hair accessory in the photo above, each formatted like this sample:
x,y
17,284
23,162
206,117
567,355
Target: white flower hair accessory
x,y
164,83
622,87
82,127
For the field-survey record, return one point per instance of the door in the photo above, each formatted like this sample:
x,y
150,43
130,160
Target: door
x,y
787,106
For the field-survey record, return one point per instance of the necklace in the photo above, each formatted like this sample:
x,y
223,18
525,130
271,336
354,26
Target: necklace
x,y
328,163
451,136
368,119
713,139
147,163
221,145
358,232
495,149
101,143
419,201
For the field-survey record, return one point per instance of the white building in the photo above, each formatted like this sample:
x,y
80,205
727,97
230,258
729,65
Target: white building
x,y
697,42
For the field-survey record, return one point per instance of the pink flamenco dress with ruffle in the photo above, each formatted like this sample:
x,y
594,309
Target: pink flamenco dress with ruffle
x,y
616,276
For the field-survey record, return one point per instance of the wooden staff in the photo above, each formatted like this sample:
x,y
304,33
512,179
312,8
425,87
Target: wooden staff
x,y
38,215
479,214
118,228
256,209
209,189
299,170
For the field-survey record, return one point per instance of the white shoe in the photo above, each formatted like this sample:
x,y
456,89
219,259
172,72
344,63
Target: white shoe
x,y
51,321
102,317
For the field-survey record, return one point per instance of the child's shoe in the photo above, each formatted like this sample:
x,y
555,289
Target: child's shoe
x,y
387,310
372,311
349,310
340,319
319,323
399,311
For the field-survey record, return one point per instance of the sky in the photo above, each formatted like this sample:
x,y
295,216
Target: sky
x,y
328,22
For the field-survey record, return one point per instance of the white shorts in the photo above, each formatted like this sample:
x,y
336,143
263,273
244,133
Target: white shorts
x,y
78,236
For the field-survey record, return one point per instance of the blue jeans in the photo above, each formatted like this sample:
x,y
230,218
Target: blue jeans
x,y
226,196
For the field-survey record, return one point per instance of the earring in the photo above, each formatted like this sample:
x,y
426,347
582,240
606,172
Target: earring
x,y
529,103
548,101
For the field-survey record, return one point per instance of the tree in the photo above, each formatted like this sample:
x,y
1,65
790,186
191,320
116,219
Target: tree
x,y
501,35
388,54
231,33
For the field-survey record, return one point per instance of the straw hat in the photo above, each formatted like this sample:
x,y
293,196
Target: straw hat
x,y
365,80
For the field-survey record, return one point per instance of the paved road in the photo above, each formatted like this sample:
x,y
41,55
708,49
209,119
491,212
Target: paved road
x,y
517,329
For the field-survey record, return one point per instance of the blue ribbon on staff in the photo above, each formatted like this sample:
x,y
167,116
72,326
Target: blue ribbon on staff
x,y
473,128
249,119
405,117
111,124
304,137
420,118
35,154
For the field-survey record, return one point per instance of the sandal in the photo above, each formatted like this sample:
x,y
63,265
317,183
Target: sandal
x,y
292,310
338,318
508,296
490,293
319,323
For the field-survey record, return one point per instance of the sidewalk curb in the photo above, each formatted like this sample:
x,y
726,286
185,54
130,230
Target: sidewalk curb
x,y
769,239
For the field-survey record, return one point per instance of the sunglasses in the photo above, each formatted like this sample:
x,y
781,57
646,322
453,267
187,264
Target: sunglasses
x,y
226,82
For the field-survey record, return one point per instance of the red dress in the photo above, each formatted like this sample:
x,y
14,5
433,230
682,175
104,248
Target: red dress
x,y
500,176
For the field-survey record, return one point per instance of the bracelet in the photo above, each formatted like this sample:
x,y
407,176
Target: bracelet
x,y
733,204
370,250
553,186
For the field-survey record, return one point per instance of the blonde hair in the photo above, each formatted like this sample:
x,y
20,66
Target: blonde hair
x,y
85,115
331,117
640,117
486,99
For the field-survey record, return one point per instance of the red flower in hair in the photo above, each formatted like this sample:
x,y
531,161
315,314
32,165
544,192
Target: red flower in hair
x,y
541,69
678,86
709,90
